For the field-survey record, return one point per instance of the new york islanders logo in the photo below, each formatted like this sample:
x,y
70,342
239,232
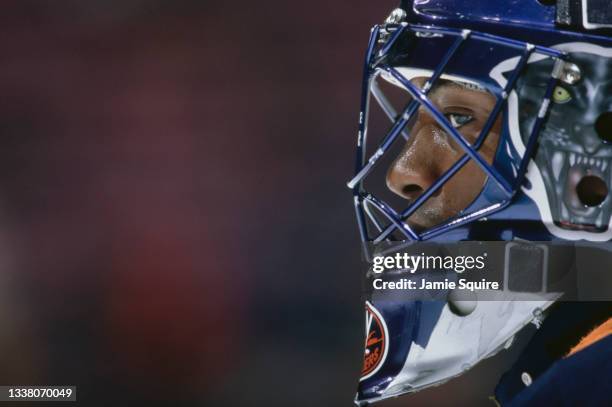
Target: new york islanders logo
x,y
376,342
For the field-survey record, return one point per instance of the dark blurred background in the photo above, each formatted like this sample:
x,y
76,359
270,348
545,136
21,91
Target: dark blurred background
x,y
175,228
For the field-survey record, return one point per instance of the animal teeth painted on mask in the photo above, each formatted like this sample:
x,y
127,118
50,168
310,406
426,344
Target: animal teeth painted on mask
x,y
572,158
557,163
604,164
599,221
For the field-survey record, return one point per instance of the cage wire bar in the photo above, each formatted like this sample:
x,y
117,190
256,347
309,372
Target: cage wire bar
x,y
374,66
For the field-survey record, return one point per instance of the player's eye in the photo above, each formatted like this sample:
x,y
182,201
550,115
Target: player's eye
x,y
561,95
457,120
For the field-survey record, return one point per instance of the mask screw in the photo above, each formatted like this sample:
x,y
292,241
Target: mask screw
x,y
526,379
397,16
571,73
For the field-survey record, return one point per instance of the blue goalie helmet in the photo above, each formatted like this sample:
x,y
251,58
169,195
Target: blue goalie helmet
x,y
479,120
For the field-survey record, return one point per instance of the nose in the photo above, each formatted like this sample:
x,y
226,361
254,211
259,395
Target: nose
x,y
415,168
588,137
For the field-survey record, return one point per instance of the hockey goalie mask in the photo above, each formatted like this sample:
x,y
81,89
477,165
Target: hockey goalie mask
x,y
493,123
459,126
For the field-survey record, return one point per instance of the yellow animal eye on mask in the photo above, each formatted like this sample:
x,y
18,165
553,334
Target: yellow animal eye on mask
x,y
561,95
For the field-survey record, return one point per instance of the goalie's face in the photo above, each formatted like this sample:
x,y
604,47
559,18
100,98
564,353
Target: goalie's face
x,y
430,151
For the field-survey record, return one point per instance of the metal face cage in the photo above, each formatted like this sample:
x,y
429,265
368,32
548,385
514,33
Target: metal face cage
x,y
377,220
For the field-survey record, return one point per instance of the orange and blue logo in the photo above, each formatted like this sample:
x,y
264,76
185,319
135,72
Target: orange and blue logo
x,y
376,342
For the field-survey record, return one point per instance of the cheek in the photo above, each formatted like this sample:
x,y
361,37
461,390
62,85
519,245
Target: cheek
x,y
468,183
464,187
489,148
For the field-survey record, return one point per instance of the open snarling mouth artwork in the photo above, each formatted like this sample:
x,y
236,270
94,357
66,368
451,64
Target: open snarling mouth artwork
x,y
574,153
